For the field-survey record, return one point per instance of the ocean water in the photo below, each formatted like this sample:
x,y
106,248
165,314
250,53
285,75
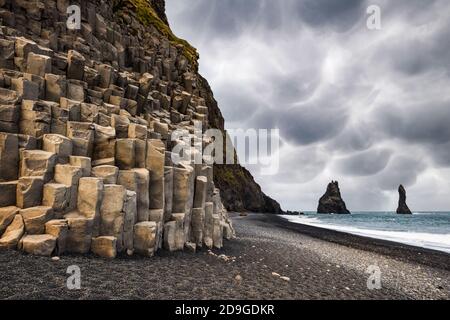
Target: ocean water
x,y
423,229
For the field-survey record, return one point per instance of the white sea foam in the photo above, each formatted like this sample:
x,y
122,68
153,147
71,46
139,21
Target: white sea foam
x,y
440,242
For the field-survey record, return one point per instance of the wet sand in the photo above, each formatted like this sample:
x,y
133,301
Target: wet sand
x,y
320,264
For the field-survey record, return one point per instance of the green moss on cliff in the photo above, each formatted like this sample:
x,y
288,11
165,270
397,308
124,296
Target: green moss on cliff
x,y
148,16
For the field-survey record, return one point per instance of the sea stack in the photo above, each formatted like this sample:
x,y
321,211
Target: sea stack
x,y
331,201
402,206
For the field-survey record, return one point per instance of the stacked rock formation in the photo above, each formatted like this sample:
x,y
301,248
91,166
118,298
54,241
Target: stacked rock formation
x,y
402,206
85,135
331,201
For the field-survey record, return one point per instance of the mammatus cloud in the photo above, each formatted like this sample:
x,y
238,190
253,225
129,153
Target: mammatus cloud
x,y
368,108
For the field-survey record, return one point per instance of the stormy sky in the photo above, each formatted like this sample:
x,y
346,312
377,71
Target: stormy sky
x,y
369,108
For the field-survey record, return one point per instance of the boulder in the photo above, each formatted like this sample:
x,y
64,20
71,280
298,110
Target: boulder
x,y
84,163
35,118
9,157
155,164
104,247
82,136
56,196
402,206
89,113
111,213
190,247
70,177
172,235
120,124
75,67
104,142
208,228
58,229
35,219
7,215
217,232
168,192
9,118
228,230
59,145
39,64
12,234
59,123
76,90
90,200
37,163
198,217
137,180
27,142
125,154
108,174
27,89
39,245
55,87
183,190
79,234
137,131
145,238
130,218
24,46
8,192
9,97
331,201
72,107
156,215
29,192
201,184
140,153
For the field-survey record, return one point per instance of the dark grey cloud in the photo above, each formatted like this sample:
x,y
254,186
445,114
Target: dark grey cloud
x,y
367,163
368,108
401,170
336,15
418,122
425,51
307,125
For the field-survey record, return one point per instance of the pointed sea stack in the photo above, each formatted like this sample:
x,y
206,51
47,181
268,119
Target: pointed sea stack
x,y
402,206
331,201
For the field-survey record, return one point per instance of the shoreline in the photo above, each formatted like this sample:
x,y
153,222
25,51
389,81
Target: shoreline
x,y
426,256
271,259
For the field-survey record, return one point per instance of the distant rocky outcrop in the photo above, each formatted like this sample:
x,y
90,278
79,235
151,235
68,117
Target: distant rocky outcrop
x,y
331,201
402,206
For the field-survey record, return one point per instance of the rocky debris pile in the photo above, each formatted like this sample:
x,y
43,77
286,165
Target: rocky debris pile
x,y
85,123
402,206
331,201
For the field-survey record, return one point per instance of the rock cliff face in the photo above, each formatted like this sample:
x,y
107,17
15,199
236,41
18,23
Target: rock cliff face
x,y
240,192
331,201
86,118
402,206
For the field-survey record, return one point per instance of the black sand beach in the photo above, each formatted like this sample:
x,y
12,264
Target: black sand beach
x,y
320,264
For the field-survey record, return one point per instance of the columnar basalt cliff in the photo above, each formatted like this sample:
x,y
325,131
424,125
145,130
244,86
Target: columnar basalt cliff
x,y
86,118
331,201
